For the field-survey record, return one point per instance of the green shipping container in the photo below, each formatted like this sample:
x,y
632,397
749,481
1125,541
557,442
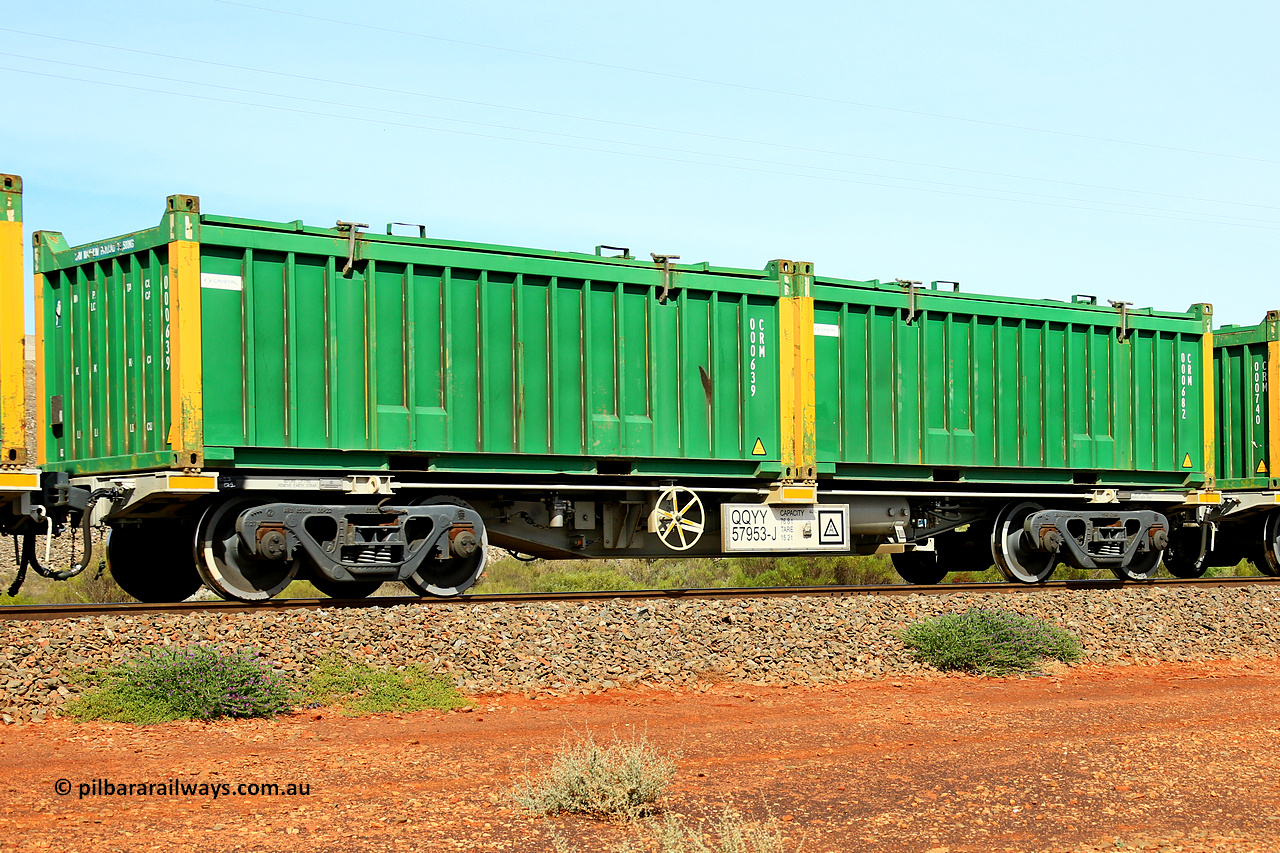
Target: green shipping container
x,y
930,384
1245,359
214,342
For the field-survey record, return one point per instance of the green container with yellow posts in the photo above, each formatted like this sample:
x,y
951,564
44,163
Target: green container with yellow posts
x,y
261,401
1246,366
218,343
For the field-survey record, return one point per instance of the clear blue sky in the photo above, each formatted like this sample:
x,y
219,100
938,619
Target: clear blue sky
x,y
1127,150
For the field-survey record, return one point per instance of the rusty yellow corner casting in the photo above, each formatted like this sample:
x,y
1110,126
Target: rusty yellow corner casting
x,y
186,372
1273,407
797,392
1210,436
13,444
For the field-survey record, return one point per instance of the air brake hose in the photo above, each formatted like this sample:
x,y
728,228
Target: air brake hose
x,y
22,570
29,545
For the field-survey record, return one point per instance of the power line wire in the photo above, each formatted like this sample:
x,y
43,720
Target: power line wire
x,y
667,149
749,88
615,123
388,123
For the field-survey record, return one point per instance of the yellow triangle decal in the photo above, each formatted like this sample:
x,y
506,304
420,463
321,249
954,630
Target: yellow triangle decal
x,y
1186,461
758,450
1262,467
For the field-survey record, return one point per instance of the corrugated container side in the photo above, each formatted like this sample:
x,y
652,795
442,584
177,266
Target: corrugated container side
x,y
423,354
448,352
106,359
1000,389
1246,359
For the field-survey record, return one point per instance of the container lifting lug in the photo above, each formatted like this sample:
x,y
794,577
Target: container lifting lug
x,y
665,260
350,228
1122,334
910,287
422,229
625,250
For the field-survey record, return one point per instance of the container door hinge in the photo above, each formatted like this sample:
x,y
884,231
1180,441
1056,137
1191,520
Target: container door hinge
x,y
910,287
665,260
350,228
1122,334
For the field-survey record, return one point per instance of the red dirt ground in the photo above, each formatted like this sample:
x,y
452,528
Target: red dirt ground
x,y
1172,757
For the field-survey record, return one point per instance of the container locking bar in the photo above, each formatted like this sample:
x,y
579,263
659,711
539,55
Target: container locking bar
x,y
1122,334
665,260
910,287
351,228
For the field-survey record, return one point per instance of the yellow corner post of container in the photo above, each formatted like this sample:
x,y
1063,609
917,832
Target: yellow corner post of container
x,y
796,368
1210,419
186,372
1273,406
13,443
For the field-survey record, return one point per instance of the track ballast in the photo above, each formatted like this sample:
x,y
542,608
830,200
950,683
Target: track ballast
x,y
35,612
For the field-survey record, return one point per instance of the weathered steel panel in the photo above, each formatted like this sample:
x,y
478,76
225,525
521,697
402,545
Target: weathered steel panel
x,y
414,353
1246,360
930,384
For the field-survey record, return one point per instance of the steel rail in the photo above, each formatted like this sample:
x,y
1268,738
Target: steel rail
x,y
38,612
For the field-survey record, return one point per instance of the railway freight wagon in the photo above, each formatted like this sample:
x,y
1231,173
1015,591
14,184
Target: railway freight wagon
x,y
1247,387
258,401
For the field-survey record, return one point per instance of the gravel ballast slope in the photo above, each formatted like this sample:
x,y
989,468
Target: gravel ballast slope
x,y
560,648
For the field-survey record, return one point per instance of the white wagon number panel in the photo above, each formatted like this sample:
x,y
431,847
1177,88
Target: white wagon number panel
x,y
766,527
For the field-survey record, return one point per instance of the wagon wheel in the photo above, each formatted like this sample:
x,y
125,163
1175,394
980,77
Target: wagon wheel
x,y
680,518
919,567
1141,568
1012,549
152,561
1267,557
1187,556
229,571
454,576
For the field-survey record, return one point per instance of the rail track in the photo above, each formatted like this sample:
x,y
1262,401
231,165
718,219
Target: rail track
x,y
37,612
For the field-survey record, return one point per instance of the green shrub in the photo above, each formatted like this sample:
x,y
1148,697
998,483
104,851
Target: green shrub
x,y
621,780
301,589
730,833
363,689
92,586
587,580
987,575
195,683
508,575
994,642
1243,569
